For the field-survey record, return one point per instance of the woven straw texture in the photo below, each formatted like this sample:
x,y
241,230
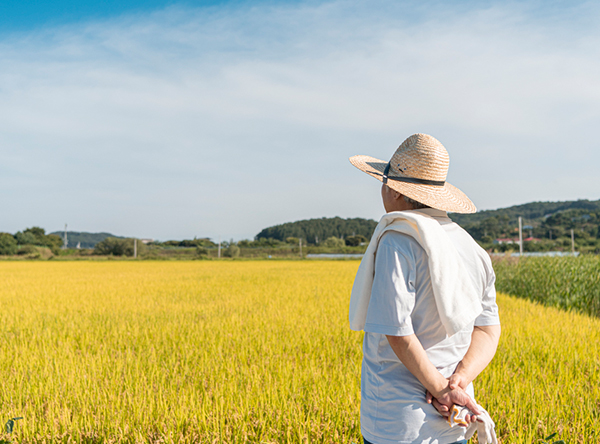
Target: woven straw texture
x,y
423,157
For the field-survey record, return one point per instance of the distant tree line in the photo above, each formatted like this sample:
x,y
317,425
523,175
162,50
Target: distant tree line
x,y
530,211
549,225
331,242
546,230
113,246
315,231
83,239
19,242
187,243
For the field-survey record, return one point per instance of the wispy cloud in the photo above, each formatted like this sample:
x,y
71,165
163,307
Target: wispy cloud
x,y
221,121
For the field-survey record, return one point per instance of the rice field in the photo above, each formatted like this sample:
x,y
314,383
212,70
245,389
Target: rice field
x,y
245,352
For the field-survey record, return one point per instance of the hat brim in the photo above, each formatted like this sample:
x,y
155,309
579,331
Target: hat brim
x,y
446,197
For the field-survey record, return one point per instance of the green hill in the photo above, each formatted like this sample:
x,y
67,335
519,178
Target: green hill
x,y
548,224
317,230
534,211
87,240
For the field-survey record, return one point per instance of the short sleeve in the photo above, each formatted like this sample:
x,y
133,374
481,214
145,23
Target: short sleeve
x,y
393,292
489,315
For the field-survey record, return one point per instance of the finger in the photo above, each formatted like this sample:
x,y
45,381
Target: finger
x,y
428,397
471,405
440,407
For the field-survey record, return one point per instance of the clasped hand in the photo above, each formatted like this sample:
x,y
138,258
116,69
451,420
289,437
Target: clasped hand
x,y
452,395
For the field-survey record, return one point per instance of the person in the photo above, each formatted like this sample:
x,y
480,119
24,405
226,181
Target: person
x,y
424,295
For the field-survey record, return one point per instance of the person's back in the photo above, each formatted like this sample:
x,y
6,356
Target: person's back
x,y
424,295
395,405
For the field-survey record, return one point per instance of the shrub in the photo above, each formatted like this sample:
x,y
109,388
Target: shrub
x,y
334,242
53,242
267,242
232,251
28,250
355,241
118,247
38,236
8,244
25,238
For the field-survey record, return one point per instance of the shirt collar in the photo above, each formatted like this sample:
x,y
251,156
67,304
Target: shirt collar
x,y
440,215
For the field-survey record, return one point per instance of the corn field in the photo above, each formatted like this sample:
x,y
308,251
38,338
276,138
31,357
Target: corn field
x,y
571,283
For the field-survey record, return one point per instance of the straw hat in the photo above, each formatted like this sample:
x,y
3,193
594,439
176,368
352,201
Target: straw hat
x,y
418,170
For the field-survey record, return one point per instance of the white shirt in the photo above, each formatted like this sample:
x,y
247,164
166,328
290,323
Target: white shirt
x,y
393,406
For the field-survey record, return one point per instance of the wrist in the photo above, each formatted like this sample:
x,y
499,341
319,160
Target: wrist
x,y
440,387
462,376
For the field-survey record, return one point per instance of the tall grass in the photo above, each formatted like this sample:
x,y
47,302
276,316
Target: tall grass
x,y
245,352
567,282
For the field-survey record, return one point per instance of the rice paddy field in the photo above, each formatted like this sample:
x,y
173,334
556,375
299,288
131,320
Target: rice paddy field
x,y
246,352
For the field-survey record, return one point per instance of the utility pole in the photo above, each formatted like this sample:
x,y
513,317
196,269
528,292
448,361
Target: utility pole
x,y
300,244
65,241
572,242
135,248
520,236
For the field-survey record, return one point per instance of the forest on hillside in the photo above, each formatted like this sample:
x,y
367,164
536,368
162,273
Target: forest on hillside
x,y
315,231
546,227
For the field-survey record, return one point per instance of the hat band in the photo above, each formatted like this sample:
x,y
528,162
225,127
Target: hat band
x,y
436,183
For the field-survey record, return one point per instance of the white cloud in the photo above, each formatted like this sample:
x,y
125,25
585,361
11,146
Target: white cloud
x,y
219,122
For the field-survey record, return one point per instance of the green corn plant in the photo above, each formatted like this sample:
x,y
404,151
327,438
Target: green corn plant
x,y
10,424
570,283
546,440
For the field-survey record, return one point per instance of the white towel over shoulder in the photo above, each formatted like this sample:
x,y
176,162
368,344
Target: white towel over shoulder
x,y
457,301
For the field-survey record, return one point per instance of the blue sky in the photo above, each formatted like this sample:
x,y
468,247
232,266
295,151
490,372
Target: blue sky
x,y
170,120
25,15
